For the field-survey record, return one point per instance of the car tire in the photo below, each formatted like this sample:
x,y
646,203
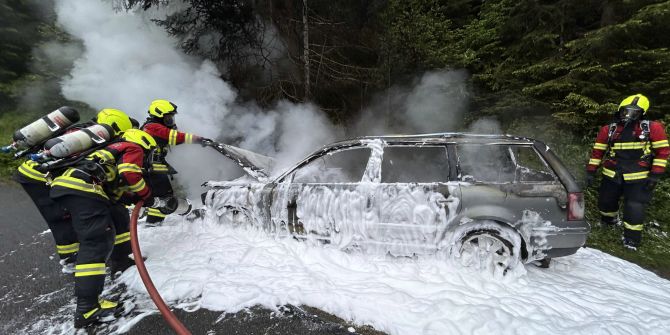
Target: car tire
x,y
488,250
234,216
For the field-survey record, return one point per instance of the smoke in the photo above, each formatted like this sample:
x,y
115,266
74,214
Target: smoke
x,y
128,61
434,102
486,126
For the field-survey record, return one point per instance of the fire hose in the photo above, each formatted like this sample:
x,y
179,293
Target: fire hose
x,y
167,314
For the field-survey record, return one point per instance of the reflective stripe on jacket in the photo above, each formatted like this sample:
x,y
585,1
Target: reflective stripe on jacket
x,y
120,165
631,155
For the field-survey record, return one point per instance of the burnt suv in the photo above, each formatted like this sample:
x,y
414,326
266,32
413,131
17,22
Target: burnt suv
x,y
499,200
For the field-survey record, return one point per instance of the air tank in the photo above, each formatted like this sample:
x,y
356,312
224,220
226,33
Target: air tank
x,y
78,141
46,127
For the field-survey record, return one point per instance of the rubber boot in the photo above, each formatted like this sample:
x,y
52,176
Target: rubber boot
x,y
91,311
68,263
609,222
117,266
631,239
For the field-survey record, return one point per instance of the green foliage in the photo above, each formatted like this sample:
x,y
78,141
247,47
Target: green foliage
x,y
9,122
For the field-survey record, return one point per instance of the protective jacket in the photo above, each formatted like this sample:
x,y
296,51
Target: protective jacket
x,y
630,152
165,137
105,174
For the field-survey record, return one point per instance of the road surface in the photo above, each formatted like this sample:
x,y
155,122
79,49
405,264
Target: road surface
x,y
35,296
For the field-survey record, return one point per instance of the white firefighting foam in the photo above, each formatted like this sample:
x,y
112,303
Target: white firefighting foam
x,y
224,268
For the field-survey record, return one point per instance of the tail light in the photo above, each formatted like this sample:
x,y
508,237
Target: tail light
x,y
575,206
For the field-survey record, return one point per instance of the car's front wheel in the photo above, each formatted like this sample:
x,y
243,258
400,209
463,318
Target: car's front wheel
x,y
493,250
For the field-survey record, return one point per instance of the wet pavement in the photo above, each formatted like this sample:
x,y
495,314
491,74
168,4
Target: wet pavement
x,y
35,296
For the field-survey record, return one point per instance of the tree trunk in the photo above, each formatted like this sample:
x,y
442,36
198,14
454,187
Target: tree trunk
x,y
305,42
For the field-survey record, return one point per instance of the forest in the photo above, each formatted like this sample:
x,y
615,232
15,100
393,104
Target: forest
x,y
554,70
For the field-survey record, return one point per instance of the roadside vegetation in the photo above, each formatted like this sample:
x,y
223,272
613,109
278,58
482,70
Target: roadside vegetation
x,y
552,70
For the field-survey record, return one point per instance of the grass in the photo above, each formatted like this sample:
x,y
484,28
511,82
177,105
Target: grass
x,y
654,253
9,122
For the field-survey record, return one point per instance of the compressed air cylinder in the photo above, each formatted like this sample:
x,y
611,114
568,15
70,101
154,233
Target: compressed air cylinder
x,y
46,127
78,141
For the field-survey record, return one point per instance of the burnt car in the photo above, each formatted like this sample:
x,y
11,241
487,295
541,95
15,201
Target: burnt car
x,y
493,199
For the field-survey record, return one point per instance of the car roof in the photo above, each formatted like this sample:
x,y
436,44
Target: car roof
x,y
438,138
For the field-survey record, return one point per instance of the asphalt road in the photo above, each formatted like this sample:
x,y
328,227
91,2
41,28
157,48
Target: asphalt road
x,y
35,295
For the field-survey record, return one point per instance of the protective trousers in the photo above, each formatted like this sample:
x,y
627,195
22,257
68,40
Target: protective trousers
x,y
160,187
92,221
121,219
635,198
57,217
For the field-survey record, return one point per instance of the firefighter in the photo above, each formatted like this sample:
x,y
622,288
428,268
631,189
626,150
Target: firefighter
x,y
161,125
56,216
88,189
633,152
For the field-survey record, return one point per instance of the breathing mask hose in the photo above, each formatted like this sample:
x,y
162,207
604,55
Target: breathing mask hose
x,y
167,314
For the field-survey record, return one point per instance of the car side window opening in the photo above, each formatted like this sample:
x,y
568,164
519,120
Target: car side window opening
x,y
343,166
530,166
501,164
415,164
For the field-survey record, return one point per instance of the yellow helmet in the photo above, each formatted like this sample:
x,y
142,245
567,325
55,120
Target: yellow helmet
x,y
633,107
160,108
139,137
114,118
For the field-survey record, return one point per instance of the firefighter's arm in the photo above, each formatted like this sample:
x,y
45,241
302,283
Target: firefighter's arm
x,y
598,150
130,169
660,147
172,136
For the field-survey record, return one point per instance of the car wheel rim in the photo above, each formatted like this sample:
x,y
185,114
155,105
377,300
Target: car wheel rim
x,y
483,251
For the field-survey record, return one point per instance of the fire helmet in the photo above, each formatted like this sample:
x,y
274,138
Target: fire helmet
x,y
114,118
633,107
140,137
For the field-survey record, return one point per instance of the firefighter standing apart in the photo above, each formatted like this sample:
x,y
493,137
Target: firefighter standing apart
x,y
633,152
89,190
162,127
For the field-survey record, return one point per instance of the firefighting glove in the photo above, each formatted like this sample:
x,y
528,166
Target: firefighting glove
x,y
652,181
590,178
204,141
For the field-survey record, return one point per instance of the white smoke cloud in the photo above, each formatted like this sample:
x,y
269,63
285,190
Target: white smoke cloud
x,y
434,102
128,61
485,126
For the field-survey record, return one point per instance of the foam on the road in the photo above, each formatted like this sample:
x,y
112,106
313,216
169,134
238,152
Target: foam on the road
x,y
221,268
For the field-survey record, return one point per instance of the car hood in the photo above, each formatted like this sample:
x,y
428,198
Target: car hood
x,y
255,165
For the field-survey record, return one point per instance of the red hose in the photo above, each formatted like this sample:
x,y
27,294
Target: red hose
x,y
169,317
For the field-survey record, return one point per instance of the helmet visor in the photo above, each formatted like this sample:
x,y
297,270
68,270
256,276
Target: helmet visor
x,y
629,113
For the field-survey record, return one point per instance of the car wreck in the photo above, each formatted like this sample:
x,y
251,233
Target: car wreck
x,y
494,199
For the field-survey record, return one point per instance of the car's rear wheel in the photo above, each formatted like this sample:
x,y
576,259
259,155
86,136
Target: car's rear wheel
x,y
488,250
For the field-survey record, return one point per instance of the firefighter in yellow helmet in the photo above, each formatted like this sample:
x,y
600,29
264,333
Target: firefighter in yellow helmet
x,y
57,217
92,190
633,153
161,125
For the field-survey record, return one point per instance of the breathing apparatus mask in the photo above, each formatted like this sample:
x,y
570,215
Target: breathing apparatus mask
x,y
630,113
168,120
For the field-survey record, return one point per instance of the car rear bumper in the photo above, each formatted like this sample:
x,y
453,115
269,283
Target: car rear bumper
x,y
565,241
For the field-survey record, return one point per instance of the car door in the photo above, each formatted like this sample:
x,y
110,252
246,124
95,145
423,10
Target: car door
x,y
416,199
486,172
324,199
